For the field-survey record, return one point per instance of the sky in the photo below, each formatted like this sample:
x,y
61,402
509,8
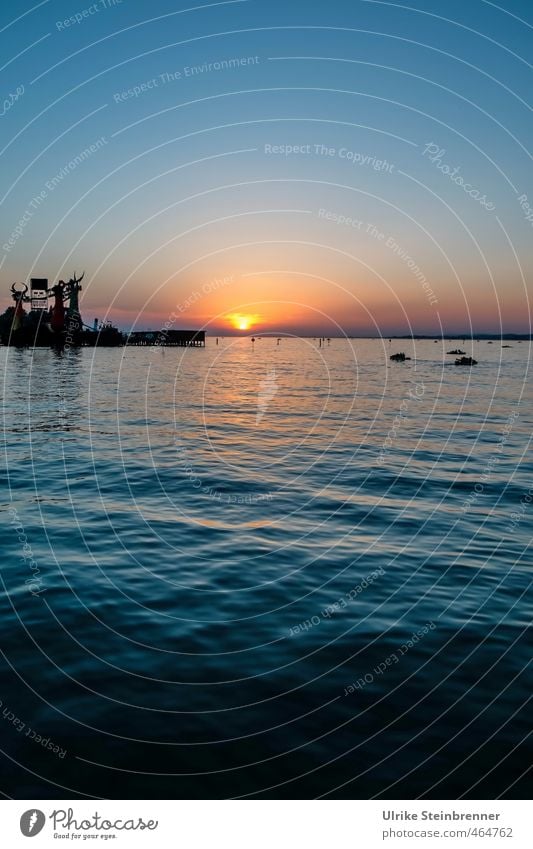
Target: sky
x,y
355,168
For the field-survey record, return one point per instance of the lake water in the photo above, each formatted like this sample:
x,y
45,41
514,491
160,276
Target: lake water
x,y
266,570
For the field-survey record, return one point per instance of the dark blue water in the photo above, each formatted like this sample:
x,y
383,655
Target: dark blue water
x,y
266,570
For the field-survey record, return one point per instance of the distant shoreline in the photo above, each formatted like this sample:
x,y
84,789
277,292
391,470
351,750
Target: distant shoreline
x,y
517,337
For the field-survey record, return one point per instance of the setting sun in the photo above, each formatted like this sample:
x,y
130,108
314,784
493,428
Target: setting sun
x,y
242,322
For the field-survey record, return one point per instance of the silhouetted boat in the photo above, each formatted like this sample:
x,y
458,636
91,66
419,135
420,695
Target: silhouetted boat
x,y
399,358
466,361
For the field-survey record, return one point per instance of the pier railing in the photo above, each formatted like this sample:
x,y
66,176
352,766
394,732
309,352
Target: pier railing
x,y
176,338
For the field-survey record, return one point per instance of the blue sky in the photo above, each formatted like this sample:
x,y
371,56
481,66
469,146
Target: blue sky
x,y
182,187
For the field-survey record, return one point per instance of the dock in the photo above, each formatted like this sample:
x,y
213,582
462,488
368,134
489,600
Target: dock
x,y
167,338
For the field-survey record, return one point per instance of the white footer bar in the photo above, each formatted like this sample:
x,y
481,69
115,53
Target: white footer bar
x,y
268,824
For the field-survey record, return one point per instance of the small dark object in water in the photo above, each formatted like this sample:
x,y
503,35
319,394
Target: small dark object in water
x,y
507,346
466,361
399,358
456,351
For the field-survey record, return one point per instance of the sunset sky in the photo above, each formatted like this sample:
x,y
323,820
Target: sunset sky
x,y
249,166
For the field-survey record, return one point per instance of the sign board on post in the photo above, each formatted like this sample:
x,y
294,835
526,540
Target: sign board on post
x,y
39,293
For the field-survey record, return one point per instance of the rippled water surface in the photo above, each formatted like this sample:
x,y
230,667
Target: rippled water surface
x,y
215,560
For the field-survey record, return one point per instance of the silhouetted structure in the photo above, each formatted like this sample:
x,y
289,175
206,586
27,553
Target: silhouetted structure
x,y
56,326
165,338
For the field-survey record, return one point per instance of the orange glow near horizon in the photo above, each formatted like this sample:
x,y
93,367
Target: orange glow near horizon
x,y
241,321
302,303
